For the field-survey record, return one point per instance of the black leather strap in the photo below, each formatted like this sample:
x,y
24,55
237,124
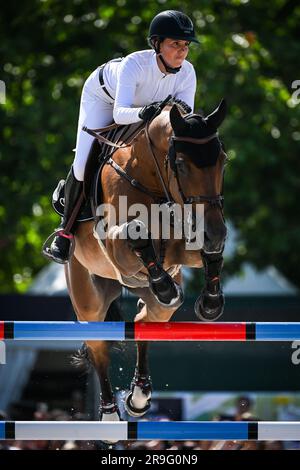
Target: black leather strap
x,y
133,181
101,80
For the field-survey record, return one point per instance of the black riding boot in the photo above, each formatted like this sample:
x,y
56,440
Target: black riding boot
x,y
60,248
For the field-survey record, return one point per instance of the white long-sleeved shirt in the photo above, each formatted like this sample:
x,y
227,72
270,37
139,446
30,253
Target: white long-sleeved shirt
x,y
136,81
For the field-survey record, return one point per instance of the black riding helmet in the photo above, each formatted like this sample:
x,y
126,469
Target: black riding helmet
x,y
170,24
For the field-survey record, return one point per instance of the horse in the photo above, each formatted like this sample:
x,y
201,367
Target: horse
x,y
176,160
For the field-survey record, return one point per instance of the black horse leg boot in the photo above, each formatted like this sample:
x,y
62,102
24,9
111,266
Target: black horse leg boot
x,y
60,248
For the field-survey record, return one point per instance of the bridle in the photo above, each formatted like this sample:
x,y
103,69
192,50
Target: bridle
x,y
170,161
213,201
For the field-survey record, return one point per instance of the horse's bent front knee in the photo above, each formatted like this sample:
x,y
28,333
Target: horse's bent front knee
x,y
120,251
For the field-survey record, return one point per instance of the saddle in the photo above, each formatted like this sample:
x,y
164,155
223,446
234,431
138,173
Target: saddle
x,y
112,137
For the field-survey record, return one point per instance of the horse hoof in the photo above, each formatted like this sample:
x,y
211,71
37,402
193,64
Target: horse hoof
x,y
167,292
209,307
131,410
109,411
138,400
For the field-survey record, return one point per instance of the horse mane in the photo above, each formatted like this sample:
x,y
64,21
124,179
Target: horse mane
x,y
183,107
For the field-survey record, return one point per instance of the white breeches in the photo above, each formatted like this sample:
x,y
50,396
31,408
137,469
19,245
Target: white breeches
x,y
96,110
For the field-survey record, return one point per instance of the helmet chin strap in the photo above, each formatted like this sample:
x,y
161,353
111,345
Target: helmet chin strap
x,y
167,67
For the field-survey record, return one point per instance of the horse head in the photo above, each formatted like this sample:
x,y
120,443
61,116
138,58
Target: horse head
x,y
197,160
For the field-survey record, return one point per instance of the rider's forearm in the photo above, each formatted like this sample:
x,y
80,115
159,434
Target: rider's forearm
x,y
126,115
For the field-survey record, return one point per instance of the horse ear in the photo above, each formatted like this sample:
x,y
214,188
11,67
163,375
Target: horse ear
x,y
177,121
216,118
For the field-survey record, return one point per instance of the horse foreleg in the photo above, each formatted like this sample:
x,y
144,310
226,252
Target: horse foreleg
x,y
135,236
150,310
210,304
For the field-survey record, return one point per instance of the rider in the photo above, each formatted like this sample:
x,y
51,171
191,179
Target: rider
x,y
123,90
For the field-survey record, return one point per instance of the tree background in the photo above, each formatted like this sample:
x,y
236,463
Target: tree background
x,y
249,54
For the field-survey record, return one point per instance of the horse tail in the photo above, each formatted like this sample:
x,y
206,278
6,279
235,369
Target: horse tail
x,y
81,359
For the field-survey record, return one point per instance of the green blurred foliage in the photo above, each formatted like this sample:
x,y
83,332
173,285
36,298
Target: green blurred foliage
x,y
249,54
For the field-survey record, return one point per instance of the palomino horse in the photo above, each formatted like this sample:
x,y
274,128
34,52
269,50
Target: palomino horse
x,y
177,159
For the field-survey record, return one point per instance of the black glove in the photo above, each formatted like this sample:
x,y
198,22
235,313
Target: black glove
x,y
148,111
